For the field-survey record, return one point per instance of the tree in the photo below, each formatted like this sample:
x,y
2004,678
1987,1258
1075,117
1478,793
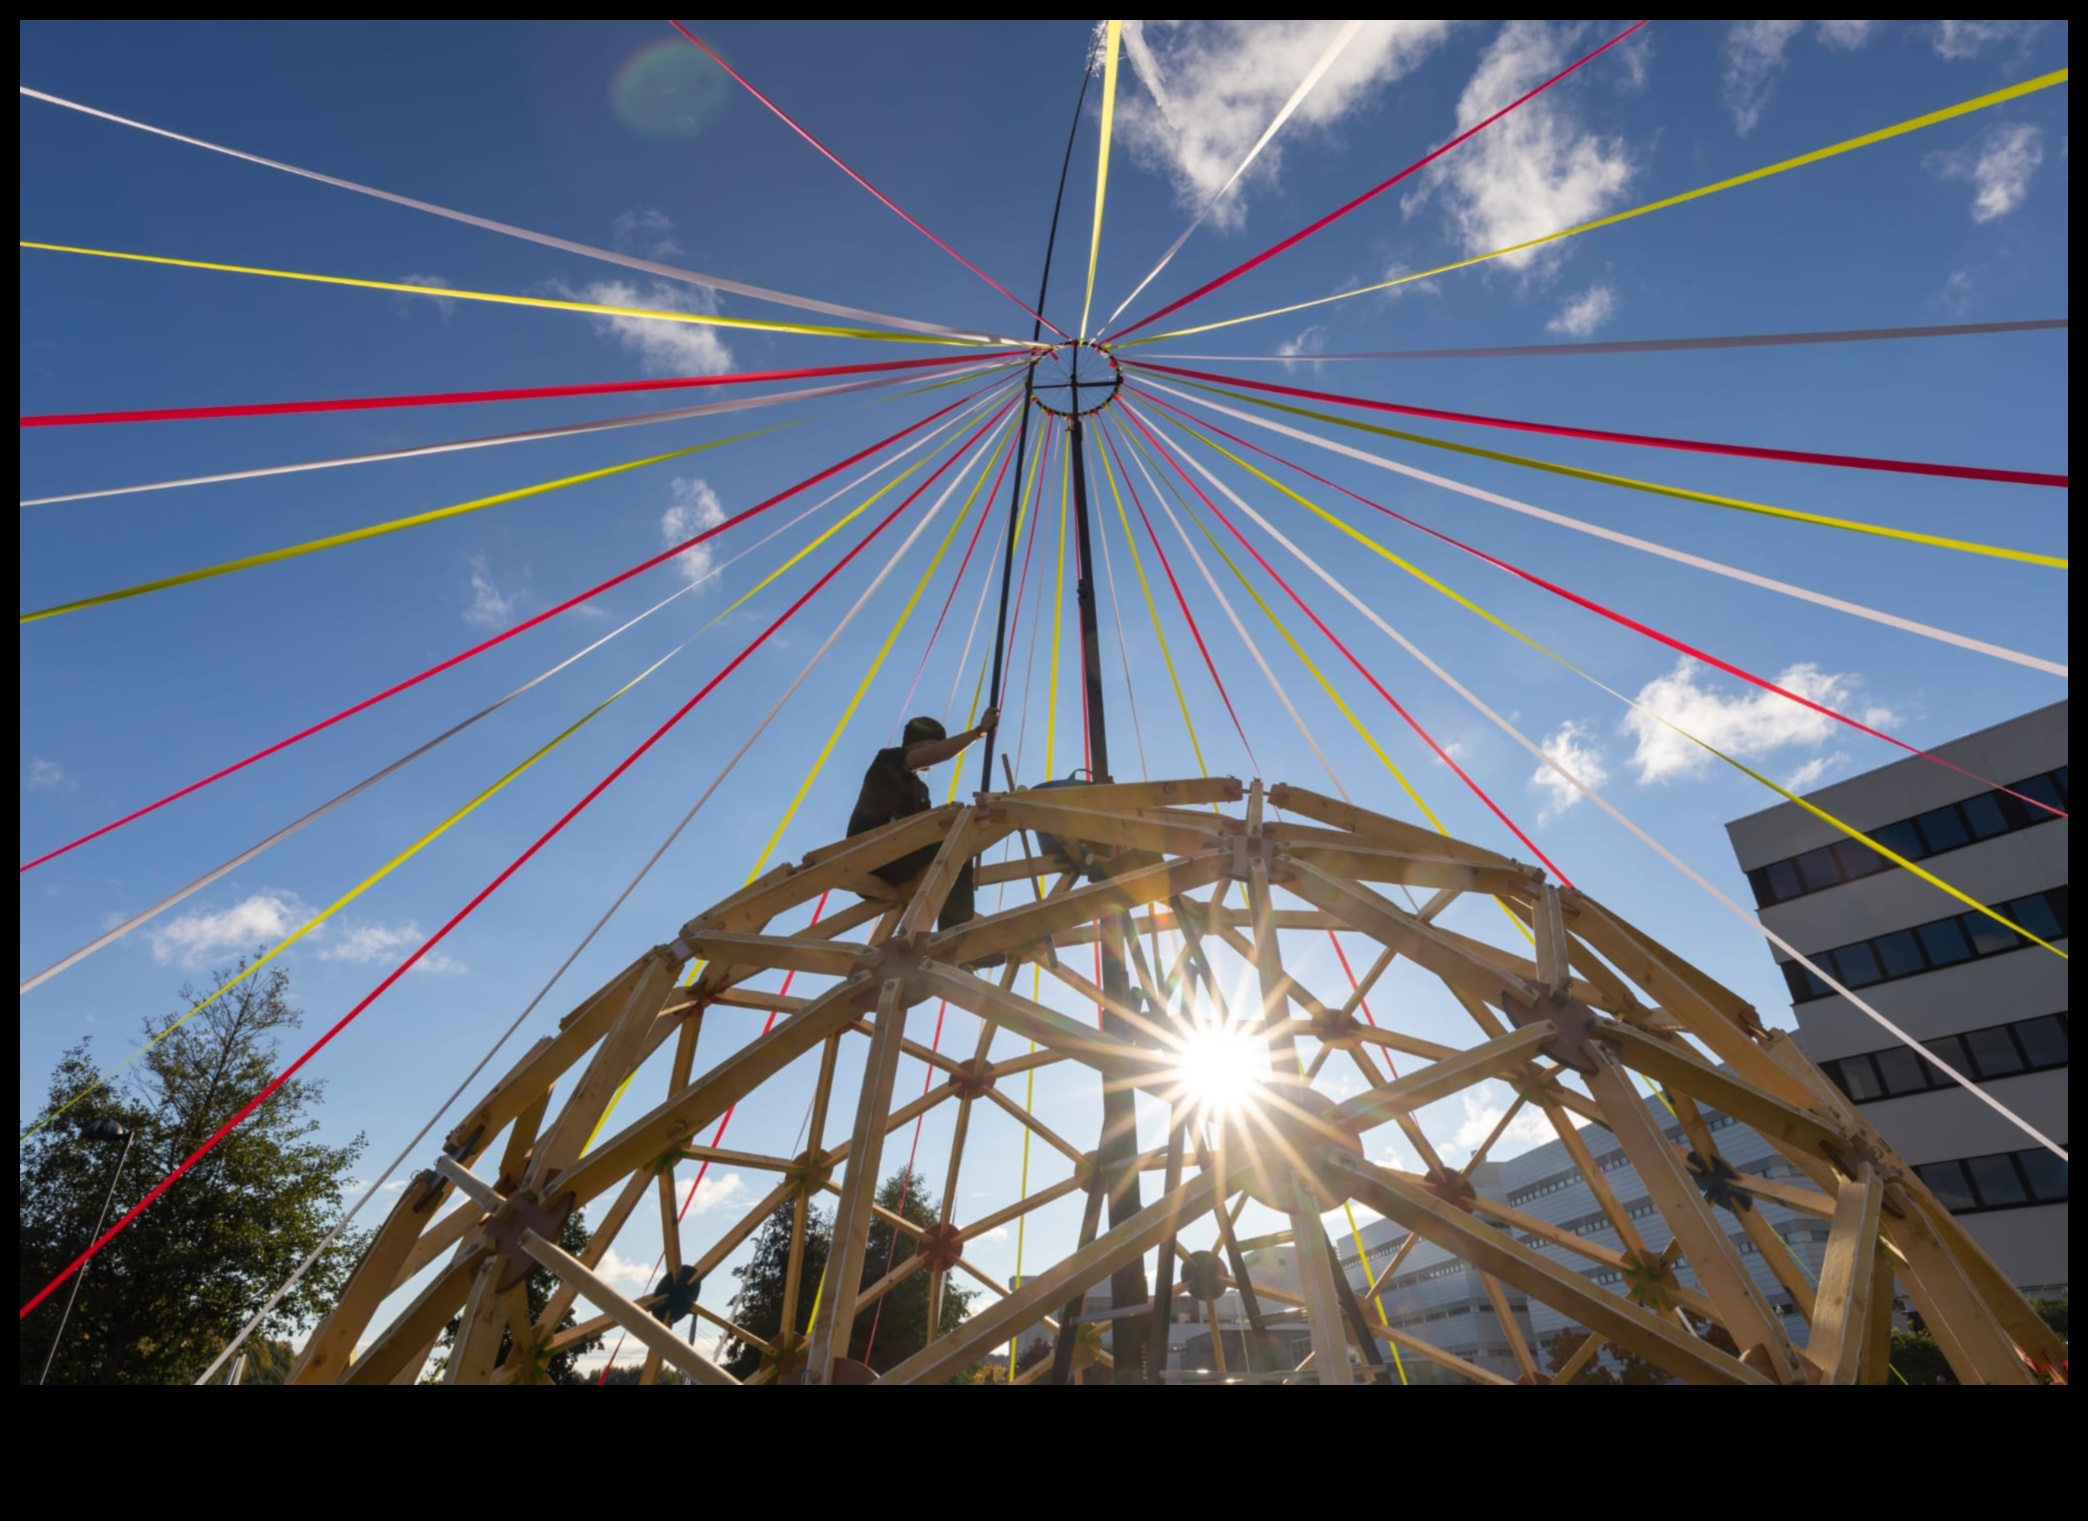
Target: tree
x,y
1611,1366
161,1300
563,1366
885,1333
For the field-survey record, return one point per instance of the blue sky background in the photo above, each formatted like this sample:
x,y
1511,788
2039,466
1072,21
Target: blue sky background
x,y
963,125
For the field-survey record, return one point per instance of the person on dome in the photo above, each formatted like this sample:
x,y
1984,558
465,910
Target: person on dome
x,y
893,790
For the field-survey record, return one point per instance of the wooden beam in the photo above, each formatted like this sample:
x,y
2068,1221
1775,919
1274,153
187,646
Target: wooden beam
x,y
1316,1278
1026,1305
656,1336
1033,923
1409,1203
1440,1079
1673,1064
676,1119
831,1327
1841,1315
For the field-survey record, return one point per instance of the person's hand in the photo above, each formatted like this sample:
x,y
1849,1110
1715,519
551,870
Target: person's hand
x,y
988,721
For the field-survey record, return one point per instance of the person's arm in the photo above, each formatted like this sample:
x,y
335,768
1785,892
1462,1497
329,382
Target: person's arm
x,y
933,752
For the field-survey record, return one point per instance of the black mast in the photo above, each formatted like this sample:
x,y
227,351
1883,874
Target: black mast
x,y
1029,387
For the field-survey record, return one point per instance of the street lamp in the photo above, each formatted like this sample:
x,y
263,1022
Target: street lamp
x,y
95,1130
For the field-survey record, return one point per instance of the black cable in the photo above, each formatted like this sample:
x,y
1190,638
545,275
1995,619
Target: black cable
x,y
1029,384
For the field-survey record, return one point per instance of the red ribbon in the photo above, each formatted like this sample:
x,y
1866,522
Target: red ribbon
x,y
456,398
1646,440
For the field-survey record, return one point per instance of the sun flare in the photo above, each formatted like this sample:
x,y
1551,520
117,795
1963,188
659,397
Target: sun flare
x,y
1219,1066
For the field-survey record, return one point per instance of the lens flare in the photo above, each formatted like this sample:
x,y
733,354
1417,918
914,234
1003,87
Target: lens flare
x,y
667,89
1219,1066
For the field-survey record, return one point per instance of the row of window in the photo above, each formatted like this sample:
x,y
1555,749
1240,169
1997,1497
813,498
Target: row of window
x,y
2002,1180
1609,1162
1950,827
1939,943
2027,1045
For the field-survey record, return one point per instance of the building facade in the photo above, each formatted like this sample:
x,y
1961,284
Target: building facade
x,y
1987,1001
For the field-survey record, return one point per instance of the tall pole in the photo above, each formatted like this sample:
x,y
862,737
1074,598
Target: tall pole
x,y
1029,388
73,1297
1116,1156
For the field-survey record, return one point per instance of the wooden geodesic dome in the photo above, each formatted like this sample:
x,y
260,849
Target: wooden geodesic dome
x,y
1207,898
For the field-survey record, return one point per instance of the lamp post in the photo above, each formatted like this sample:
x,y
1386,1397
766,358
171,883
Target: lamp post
x,y
98,1130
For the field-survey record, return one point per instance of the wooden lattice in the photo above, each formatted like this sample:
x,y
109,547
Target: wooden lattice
x,y
1175,887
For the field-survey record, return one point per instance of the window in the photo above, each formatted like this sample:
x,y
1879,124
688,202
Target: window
x,y
1983,815
1993,1052
2001,1180
1943,829
2038,1044
1943,942
1900,954
1951,827
2043,1040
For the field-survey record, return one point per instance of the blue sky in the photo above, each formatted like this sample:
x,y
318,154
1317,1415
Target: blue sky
x,y
616,134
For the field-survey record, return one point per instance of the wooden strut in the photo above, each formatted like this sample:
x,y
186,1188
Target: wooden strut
x,y
1571,1019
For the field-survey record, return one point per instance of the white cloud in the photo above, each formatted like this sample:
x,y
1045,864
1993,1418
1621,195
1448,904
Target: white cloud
x,y
1999,166
998,1233
1536,170
1960,40
1744,725
1213,87
627,1273
1848,35
490,606
1816,770
718,1189
662,347
1297,351
1483,1108
1584,313
386,944
1958,290
646,230
201,936
1573,746
442,304
45,776
695,508
1754,56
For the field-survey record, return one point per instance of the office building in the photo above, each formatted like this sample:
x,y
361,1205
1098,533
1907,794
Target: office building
x,y
1987,1001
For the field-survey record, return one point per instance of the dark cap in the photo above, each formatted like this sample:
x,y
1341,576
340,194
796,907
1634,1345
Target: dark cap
x,y
921,729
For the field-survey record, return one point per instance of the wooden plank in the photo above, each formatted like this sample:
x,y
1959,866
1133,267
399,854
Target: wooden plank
x,y
1841,1315
1316,1279
967,837
327,1349
1376,829
1673,1064
1025,1306
1440,1079
676,1119
643,1327
790,953
1076,819
1032,923
830,1328
1742,1307
403,1345
1407,1202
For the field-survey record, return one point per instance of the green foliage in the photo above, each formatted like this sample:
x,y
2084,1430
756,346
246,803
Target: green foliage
x,y
1916,1359
1611,1366
899,1320
564,1366
2053,1313
159,1302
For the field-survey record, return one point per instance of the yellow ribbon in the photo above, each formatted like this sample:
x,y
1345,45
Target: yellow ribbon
x,y
359,889
1782,791
1363,1261
1111,45
1849,145
447,293
376,530
876,664
1628,483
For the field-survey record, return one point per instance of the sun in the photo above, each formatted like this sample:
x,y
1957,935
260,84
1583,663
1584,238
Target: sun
x,y
1219,1066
